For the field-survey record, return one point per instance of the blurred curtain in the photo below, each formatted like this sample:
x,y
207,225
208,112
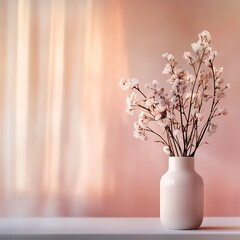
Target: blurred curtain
x,y
57,59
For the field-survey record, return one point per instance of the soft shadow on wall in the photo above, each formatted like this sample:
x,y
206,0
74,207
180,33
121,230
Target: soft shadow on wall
x,y
66,142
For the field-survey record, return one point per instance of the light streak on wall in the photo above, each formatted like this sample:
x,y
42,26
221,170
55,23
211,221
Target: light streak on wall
x,y
54,96
21,99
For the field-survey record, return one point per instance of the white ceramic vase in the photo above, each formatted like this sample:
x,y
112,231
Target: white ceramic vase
x,y
181,195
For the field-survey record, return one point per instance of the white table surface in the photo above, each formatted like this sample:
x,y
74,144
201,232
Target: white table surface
x,y
114,228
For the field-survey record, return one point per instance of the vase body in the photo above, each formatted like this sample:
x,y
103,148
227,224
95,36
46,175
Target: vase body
x,y
181,195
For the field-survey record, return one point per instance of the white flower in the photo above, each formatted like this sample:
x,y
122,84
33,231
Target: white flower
x,y
162,102
196,47
208,49
126,83
143,120
176,132
155,82
211,129
196,97
167,69
149,103
205,34
222,111
131,102
204,79
139,132
215,53
123,83
208,62
187,55
162,108
218,72
228,85
188,95
219,93
189,78
220,69
133,82
219,82
173,100
170,116
157,115
204,37
157,112
166,150
170,58
194,111
165,55
176,84
166,110
171,80
163,123
199,116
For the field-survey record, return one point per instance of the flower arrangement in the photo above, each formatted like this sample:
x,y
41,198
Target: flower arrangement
x,y
178,118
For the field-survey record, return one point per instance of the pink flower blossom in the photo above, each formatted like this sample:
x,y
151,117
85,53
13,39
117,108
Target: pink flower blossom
x,y
131,103
126,83
180,117
166,149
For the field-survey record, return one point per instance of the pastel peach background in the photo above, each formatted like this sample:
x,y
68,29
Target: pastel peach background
x,y
67,147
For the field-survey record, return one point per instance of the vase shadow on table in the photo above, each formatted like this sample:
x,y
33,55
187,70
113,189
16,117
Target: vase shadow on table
x,y
220,228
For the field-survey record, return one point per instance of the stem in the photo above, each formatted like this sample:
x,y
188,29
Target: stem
x,y
190,147
194,136
204,129
138,89
150,130
190,137
170,144
171,129
139,105
196,76
179,147
182,125
211,111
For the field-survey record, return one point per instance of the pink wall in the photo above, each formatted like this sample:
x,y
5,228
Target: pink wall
x,y
155,27
77,155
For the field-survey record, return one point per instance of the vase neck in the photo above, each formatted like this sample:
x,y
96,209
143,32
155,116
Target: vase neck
x,y
181,163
